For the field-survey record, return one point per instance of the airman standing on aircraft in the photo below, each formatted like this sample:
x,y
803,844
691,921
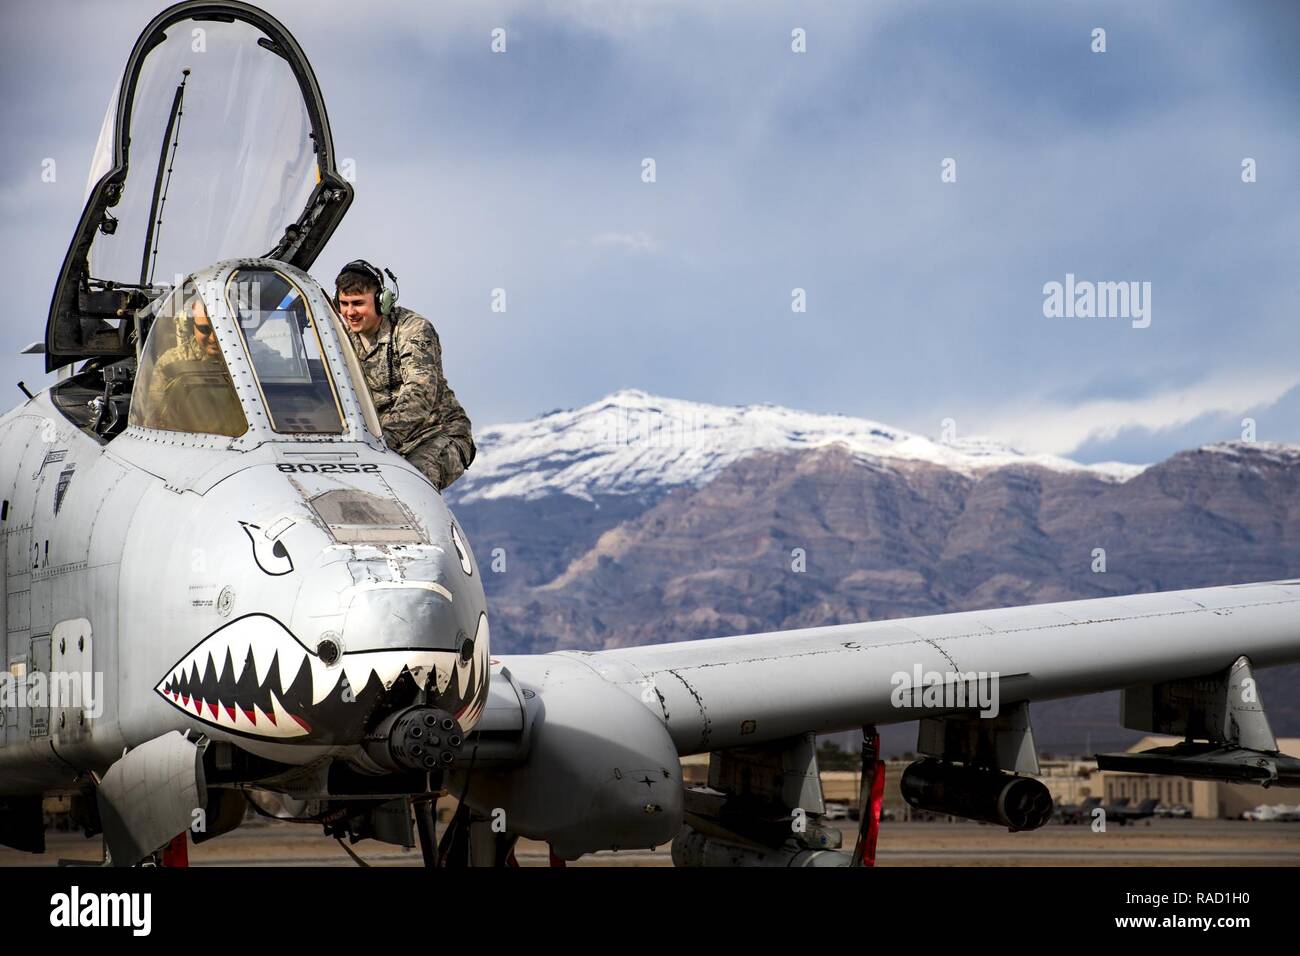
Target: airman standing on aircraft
x,y
401,358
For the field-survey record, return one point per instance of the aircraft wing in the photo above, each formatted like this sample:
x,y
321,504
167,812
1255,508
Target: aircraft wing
x,y
747,690
582,749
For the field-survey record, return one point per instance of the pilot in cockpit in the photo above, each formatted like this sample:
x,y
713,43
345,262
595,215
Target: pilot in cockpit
x,y
190,388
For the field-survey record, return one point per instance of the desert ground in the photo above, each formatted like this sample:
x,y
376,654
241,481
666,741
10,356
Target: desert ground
x,y
1160,842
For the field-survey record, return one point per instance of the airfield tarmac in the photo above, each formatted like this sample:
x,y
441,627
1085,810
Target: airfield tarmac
x,y
1161,843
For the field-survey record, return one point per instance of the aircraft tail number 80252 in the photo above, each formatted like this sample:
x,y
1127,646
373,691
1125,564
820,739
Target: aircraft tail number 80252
x,y
326,468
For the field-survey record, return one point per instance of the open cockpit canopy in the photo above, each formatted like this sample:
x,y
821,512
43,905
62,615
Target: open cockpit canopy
x,y
216,146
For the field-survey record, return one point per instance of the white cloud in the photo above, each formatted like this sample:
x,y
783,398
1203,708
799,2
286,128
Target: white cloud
x,y
1059,429
631,241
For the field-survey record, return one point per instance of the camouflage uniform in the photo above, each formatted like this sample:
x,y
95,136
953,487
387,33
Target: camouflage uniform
x,y
417,409
219,414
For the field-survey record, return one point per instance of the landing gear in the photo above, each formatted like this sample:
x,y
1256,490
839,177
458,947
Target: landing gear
x,y
468,840
453,848
426,826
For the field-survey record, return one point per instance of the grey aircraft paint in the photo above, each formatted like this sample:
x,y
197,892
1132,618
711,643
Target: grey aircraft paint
x,y
288,612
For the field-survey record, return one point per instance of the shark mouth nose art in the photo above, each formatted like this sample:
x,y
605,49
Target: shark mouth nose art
x,y
253,677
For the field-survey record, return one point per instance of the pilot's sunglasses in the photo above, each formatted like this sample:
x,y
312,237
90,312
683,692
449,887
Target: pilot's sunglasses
x,y
202,329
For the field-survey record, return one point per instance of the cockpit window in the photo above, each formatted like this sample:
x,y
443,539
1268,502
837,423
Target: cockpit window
x,y
183,383
285,351
215,146
220,110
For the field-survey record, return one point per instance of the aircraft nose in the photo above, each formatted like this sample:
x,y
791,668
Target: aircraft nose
x,y
401,615
385,626
396,647
346,598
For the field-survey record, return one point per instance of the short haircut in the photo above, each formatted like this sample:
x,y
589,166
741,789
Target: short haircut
x,y
354,283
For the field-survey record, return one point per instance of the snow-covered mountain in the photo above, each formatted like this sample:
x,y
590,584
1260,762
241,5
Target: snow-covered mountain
x,y
631,442
679,520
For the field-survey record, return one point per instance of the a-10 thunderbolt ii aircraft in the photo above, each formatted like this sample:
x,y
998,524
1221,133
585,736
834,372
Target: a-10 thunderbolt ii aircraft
x,y
222,589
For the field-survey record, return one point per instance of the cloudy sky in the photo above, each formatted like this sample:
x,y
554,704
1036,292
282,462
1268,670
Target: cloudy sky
x,y
778,170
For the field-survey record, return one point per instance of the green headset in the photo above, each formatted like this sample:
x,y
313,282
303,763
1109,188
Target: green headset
x,y
385,298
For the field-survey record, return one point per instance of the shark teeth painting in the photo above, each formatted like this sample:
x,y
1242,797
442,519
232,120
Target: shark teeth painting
x,y
255,678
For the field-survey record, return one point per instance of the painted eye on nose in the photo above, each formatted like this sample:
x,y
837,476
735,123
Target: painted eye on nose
x,y
271,556
461,551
